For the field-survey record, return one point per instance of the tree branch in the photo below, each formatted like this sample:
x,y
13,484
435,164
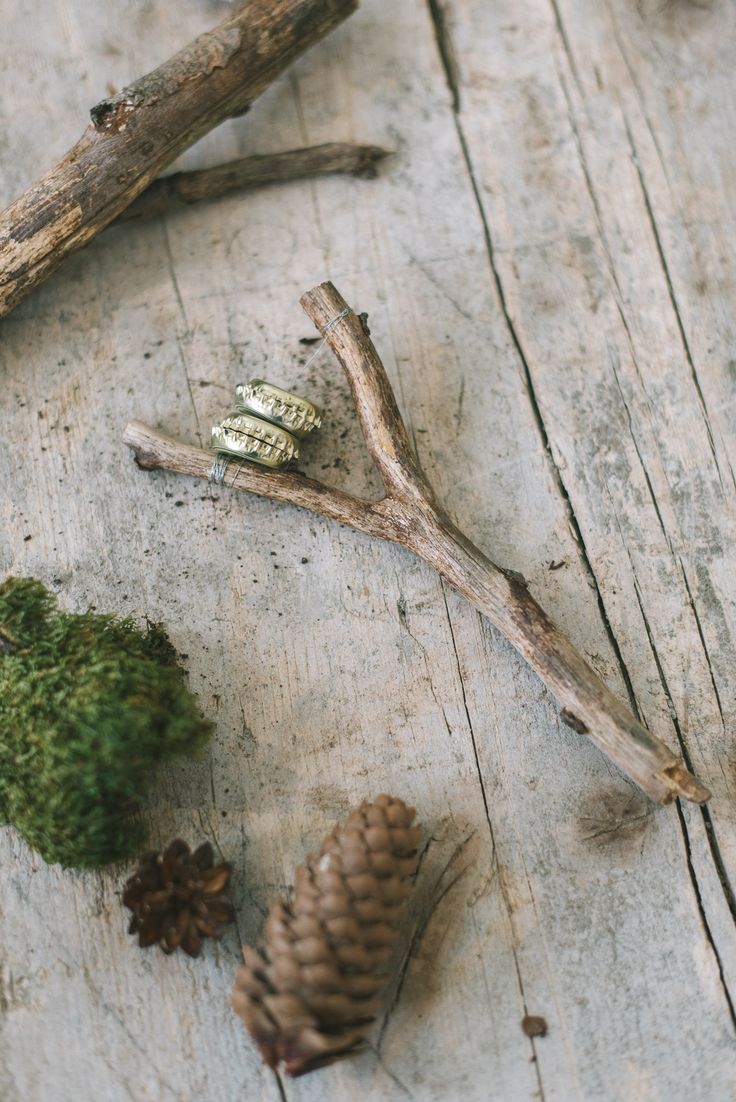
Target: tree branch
x,y
134,135
182,188
410,515
156,451
375,404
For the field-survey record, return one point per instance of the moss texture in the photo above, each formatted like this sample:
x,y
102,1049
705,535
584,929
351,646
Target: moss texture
x,y
89,706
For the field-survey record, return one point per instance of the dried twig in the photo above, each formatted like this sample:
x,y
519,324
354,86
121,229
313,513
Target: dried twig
x,y
134,135
182,188
410,515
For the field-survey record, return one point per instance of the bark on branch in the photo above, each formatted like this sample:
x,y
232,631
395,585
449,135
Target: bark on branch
x,y
134,135
410,515
182,188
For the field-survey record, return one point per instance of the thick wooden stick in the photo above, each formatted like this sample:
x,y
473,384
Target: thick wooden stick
x,y
182,188
134,135
410,515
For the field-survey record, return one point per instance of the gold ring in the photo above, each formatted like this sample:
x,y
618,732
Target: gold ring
x,y
247,437
298,416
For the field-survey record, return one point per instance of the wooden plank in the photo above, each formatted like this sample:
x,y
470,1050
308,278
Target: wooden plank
x,y
354,671
592,301
314,650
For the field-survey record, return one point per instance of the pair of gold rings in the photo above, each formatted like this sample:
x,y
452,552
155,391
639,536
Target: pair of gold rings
x,y
266,425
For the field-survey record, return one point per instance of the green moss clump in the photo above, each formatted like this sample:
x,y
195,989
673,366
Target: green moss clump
x,y
89,706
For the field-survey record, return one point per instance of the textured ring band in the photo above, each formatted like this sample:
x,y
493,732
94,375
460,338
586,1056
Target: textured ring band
x,y
248,437
298,416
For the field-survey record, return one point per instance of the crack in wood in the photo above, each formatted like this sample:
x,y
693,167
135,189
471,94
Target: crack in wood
x,y
642,464
542,428
671,292
701,636
181,338
503,887
446,49
703,916
726,886
558,476
562,33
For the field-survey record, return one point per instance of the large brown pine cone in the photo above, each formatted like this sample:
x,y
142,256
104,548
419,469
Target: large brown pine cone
x,y
178,897
308,994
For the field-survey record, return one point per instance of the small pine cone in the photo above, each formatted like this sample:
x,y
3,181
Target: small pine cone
x,y
307,996
177,898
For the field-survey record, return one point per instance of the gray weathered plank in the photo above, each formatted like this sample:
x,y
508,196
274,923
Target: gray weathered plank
x,y
355,671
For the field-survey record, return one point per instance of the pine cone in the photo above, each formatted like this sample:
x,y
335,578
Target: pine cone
x,y
177,898
307,996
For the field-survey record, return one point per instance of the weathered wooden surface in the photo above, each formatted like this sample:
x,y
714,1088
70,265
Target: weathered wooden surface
x,y
132,135
410,515
548,271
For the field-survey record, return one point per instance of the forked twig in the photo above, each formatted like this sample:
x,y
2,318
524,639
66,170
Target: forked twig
x,y
409,514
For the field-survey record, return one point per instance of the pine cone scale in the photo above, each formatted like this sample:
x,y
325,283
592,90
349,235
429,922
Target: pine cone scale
x,y
308,995
176,898
216,880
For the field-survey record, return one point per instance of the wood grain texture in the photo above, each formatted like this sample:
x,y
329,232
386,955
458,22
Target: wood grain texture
x,y
137,132
410,515
517,251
